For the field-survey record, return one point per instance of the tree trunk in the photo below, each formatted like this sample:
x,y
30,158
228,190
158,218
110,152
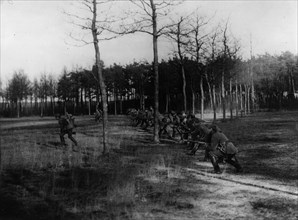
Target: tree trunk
x,y
156,77
65,109
101,81
183,87
236,99
231,100
252,95
18,108
202,97
193,96
82,102
248,100
115,101
41,107
241,97
167,102
45,106
53,105
142,97
214,102
89,103
194,103
210,94
223,96
292,80
120,105
31,105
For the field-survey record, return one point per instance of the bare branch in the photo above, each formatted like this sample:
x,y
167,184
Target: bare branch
x,y
143,7
88,6
78,40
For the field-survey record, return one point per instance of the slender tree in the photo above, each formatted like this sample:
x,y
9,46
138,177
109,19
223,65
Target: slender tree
x,y
145,20
18,89
98,24
179,33
197,50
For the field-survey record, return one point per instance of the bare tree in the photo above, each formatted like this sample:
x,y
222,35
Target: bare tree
x,y
199,36
180,34
211,73
52,91
97,22
145,20
229,58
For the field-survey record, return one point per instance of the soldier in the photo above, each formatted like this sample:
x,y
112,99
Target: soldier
x,y
221,148
141,115
201,133
175,123
164,125
98,113
66,127
150,117
182,126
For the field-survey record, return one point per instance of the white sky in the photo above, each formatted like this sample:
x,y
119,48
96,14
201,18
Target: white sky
x,y
34,34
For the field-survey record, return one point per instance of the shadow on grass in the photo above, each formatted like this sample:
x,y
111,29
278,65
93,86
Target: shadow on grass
x,y
265,160
72,193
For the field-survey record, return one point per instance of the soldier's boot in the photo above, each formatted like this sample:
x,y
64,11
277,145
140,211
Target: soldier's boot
x,y
235,163
71,138
62,140
207,156
194,149
215,164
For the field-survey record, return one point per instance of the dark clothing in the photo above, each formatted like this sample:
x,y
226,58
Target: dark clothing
x,y
221,148
165,124
200,133
98,115
66,127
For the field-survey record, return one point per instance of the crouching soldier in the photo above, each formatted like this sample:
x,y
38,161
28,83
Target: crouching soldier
x,y
221,148
67,125
200,135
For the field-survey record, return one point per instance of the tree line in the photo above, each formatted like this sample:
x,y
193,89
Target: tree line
x,y
205,71
220,84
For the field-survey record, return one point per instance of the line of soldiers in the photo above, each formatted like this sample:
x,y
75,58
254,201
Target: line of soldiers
x,y
195,132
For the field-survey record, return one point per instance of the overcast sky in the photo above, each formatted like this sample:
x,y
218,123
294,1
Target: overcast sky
x,y
34,34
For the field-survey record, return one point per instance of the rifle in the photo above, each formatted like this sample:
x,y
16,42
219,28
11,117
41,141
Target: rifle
x,y
194,141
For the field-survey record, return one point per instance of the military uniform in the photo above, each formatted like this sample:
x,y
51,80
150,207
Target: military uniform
x,y
221,148
98,115
175,123
66,127
164,125
201,133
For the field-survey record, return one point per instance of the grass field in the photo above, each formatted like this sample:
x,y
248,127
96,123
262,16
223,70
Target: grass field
x,y
40,179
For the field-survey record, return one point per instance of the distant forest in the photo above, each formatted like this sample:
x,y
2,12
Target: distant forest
x,y
219,84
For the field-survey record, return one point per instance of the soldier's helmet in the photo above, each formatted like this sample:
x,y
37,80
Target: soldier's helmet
x,y
215,128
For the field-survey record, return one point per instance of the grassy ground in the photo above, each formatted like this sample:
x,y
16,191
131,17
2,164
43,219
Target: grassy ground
x,y
139,180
